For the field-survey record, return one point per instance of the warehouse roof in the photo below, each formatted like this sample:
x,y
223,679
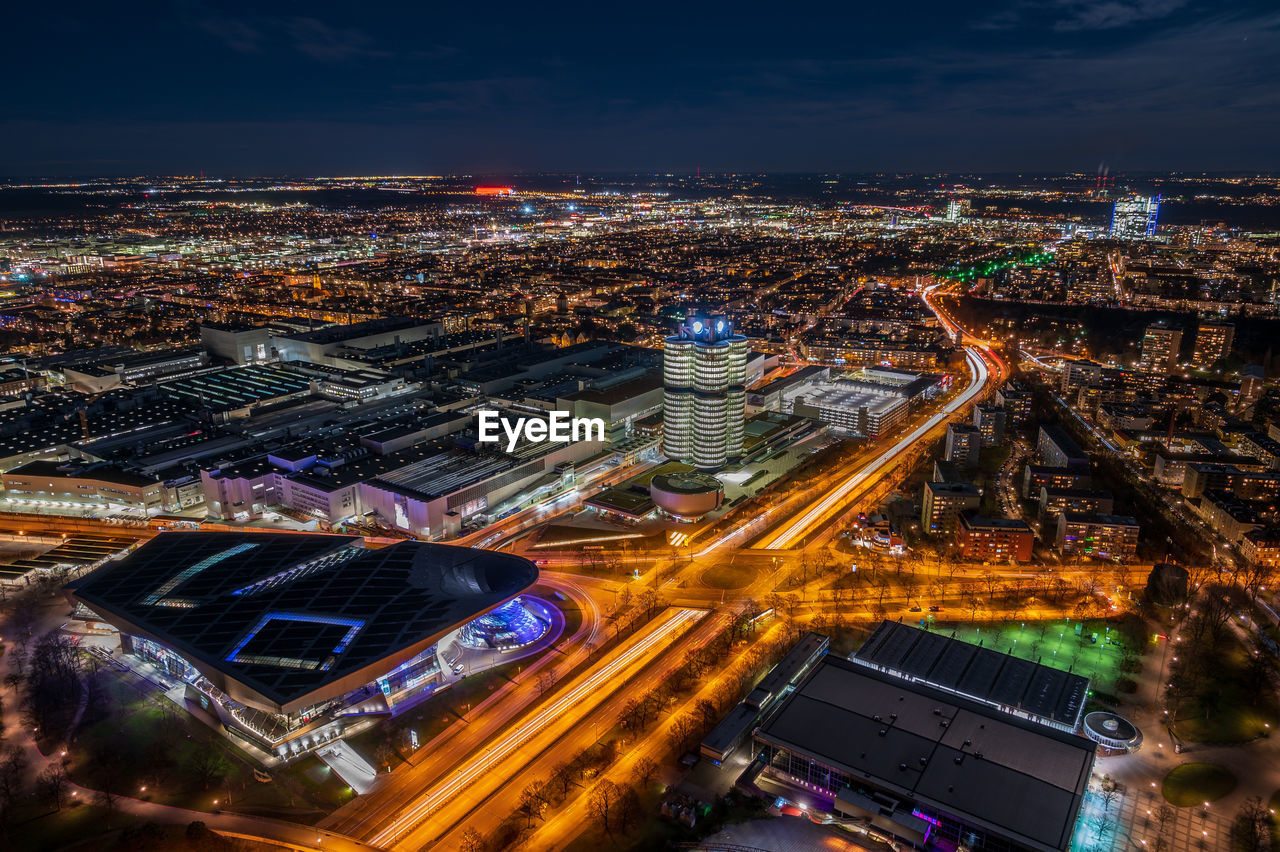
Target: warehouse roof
x,y
948,754
976,672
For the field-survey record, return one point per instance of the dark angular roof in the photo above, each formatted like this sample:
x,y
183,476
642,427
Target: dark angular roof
x,y
980,673
944,752
288,614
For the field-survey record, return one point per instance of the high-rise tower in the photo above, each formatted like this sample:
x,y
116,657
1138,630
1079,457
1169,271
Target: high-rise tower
x,y
1160,345
1134,218
704,372
1213,343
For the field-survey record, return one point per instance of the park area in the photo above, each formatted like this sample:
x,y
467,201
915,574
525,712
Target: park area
x,y
1106,651
1193,784
1224,697
138,743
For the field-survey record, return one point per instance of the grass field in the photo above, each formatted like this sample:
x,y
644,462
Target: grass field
x,y
1194,784
1054,643
36,826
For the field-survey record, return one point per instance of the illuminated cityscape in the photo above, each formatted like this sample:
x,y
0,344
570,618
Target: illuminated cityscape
x,y
523,430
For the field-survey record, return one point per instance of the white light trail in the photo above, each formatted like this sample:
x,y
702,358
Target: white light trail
x,y
528,729
796,528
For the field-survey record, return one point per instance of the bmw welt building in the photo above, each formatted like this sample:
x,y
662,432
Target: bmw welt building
x,y
286,638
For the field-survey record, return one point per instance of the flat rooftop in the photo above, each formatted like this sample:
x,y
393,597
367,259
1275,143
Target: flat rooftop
x,y
963,758
68,470
853,395
237,387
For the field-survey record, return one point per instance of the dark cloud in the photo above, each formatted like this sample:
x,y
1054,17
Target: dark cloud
x,y
1079,15
332,88
308,35
1109,14
321,41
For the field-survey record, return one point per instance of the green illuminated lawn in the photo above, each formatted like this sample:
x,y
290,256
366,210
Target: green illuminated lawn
x,y
1053,643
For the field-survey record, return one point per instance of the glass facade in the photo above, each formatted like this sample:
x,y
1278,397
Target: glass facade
x,y
704,400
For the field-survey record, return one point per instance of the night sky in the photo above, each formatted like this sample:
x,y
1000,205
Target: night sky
x,y
445,87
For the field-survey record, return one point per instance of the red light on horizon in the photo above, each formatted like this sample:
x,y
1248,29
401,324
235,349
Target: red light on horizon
x,y
494,190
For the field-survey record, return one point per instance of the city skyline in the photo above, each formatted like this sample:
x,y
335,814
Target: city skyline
x,y
926,461
597,428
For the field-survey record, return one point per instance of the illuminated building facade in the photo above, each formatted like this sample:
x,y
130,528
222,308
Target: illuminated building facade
x,y
704,370
1213,343
1160,345
1134,218
994,539
1098,536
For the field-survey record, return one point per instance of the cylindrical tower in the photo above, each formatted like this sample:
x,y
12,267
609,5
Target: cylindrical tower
x,y
735,419
678,424
704,378
677,397
677,362
710,450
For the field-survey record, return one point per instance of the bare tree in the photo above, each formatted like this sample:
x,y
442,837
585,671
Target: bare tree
x,y
708,712
471,841
1252,828
602,801
13,770
108,801
630,715
54,785
208,766
532,800
683,728
628,808
645,770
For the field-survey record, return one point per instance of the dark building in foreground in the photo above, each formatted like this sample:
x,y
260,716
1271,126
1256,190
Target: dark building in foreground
x,y
284,636
735,728
880,744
